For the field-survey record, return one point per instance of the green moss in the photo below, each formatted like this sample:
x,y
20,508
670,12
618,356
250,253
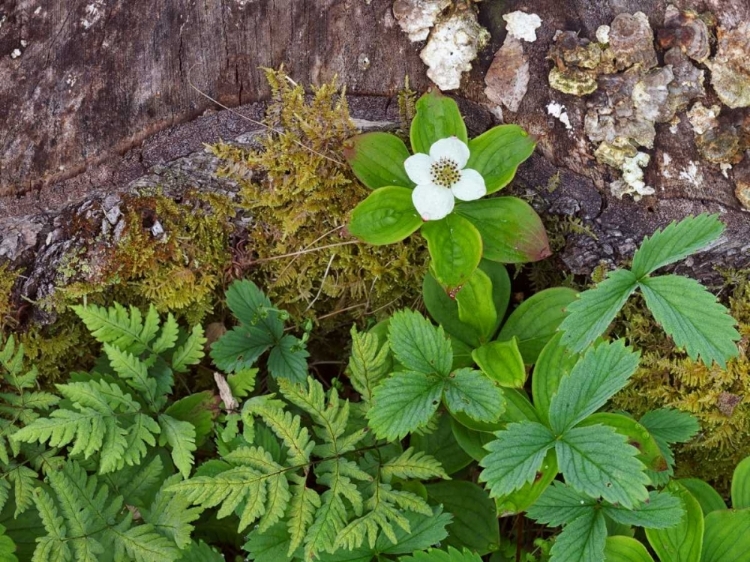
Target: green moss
x,y
719,398
179,269
299,191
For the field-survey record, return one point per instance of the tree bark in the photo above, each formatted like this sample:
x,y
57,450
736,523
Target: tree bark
x,y
96,95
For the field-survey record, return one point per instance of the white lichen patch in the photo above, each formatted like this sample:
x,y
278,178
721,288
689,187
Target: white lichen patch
x,y
93,13
725,167
692,174
602,34
15,53
666,160
632,178
417,17
453,44
703,118
522,25
558,111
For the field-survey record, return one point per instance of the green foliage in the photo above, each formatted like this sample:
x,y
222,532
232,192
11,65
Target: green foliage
x,y
684,308
360,498
261,329
408,399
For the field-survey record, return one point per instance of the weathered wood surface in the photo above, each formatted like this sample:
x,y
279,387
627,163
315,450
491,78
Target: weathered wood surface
x,y
99,97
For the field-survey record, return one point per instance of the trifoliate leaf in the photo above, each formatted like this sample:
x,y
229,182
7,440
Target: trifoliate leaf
x,y
691,315
403,403
589,316
515,457
418,345
240,348
473,393
252,307
670,425
662,510
598,461
675,242
601,372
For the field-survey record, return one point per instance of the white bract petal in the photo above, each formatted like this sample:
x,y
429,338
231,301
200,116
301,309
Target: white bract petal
x,y
418,168
452,149
470,187
433,202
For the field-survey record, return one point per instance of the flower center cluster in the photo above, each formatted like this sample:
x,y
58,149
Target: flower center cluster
x,y
445,172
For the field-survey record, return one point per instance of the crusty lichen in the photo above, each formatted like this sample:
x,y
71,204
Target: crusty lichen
x,y
299,192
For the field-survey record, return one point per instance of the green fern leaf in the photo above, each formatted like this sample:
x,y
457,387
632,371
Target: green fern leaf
x,y
304,502
116,326
329,521
54,545
139,483
4,492
132,370
200,409
411,464
171,515
288,428
369,363
200,552
451,555
24,482
142,543
138,435
180,436
168,336
191,352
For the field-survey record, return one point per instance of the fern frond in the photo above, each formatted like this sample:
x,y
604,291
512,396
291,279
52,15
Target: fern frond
x,y
329,521
411,464
54,545
142,543
191,352
369,364
168,336
171,516
137,483
305,501
180,436
24,482
132,370
287,427
118,326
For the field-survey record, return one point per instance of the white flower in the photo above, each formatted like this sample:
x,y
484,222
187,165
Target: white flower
x,y
441,177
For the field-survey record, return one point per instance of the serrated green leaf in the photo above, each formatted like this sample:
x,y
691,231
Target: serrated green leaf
x,y
598,461
288,359
387,216
180,436
536,320
474,394
418,345
240,348
593,312
502,362
474,525
403,403
670,425
581,539
455,247
515,456
191,352
561,504
675,242
511,230
437,117
253,308
601,372
661,511
691,315
377,159
528,494
625,549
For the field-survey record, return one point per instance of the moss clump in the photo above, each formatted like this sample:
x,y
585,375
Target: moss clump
x,y
299,192
171,254
719,398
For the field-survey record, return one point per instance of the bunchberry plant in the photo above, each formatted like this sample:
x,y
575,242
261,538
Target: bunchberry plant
x,y
440,189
